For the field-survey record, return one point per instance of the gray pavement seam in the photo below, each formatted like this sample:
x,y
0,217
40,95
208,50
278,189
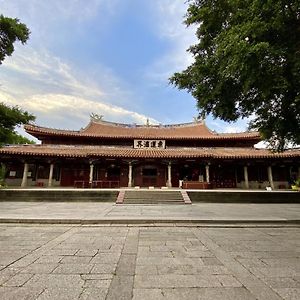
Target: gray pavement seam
x,y
32,254
288,246
257,287
121,286
128,221
149,262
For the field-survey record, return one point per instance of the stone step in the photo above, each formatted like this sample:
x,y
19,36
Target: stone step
x,y
153,197
153,194
120,198
186,197
154,203
156,197
154,200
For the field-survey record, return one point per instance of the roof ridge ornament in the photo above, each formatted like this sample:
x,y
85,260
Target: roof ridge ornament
x,y
199,119
96,117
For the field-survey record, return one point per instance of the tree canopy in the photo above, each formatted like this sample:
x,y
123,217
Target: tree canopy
x,y
247,64
12,30
10,117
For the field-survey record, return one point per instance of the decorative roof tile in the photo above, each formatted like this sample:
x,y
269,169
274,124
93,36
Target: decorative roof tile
x,y
104,129
127,152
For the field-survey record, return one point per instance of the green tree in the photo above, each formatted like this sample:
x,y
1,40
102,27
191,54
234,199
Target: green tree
x,y
16,138
10,117
2,175
12,30
247,64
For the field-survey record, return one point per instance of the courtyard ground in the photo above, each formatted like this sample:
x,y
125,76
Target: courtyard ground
x,y
202,251
121,262
109,212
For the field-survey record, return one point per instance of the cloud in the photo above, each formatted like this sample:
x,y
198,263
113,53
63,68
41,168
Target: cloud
x,y
46,13
61,96
48,71
232,128
64,111
79,10
170,17
221,126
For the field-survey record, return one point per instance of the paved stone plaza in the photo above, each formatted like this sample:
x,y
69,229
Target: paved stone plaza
x,y
105,212
167,262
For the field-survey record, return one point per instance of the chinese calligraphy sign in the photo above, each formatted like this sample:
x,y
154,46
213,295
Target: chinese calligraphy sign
x,y
149,144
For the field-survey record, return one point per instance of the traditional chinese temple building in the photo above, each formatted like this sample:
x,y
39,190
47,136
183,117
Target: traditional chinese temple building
x,y
110,155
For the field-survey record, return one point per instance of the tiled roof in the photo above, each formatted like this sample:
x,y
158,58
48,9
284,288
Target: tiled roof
x,y
103,129
126,152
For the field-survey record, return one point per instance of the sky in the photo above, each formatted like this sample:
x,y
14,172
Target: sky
x,y
109,57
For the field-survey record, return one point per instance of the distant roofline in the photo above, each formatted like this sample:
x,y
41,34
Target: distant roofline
x,y
128,152
94,129
132,125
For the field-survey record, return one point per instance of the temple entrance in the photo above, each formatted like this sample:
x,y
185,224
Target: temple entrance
x,y
191,173
224,176
113,173
149,175
74,176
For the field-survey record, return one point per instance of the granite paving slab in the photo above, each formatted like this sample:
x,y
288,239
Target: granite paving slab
x,y
141,262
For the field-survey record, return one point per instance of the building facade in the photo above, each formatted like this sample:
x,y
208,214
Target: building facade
x,y
113,155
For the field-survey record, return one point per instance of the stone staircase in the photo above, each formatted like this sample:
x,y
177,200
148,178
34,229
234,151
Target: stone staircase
x,y
153,197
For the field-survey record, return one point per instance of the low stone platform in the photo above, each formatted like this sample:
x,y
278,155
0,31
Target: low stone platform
x,y
59,195
201,214
244,196
139,196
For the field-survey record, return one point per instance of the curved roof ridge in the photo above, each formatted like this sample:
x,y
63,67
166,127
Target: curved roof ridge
x,y
100,127
187,124
104,129
160,125
43,128
236,133
104,122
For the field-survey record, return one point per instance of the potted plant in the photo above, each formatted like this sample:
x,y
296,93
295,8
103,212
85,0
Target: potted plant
x,y
296,185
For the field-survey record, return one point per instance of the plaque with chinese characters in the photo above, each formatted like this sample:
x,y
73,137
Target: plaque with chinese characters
x,y
149,144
